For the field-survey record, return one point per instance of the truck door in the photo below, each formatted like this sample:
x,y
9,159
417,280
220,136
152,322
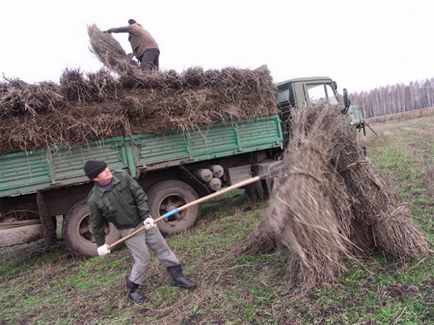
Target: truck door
x,y
286,101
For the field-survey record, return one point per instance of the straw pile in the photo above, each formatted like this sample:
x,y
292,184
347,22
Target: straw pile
x,y
124,100
330,203
377,208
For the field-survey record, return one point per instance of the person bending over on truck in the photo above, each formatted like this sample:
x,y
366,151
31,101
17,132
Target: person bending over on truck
x,y
145,48
117,198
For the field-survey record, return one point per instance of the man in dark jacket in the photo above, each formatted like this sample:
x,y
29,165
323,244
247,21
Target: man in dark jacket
x,y
119,199
145,48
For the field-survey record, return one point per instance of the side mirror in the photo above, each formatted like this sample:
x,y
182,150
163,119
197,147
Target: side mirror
x,y
346,100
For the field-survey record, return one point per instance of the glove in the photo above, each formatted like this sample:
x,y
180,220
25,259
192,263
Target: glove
x,y
103,250
108,31
149,223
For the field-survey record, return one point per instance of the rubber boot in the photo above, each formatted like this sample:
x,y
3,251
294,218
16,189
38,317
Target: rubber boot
x,y
133,293
179,279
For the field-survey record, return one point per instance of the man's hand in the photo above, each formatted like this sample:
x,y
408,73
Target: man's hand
x,y
108,31
103,250
149,223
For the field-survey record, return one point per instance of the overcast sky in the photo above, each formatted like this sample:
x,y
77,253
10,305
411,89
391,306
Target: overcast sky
x,y
360,44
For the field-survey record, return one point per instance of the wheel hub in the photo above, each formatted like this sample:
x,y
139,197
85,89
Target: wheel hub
x,y
86,231
170,203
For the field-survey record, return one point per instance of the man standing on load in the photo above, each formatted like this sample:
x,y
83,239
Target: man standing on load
x,y
119,199
145,48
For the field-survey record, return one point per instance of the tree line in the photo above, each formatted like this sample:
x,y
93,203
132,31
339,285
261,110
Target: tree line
x,y
396,98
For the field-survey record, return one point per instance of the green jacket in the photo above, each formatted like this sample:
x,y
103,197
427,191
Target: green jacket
x,y
125,205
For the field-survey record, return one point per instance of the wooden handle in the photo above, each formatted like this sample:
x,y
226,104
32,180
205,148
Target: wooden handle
x,y
208,197
188,205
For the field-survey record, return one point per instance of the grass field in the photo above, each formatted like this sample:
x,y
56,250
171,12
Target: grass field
x,y
54,286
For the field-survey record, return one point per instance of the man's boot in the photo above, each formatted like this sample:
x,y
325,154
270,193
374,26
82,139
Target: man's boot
x,y
179,279
133,292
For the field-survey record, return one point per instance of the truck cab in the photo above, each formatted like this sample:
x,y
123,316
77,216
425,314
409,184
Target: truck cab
x,y
297,92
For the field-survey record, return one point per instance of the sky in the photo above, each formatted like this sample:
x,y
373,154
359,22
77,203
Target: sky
x,y
360,44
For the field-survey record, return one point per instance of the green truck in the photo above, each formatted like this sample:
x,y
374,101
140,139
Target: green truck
x,y
38,187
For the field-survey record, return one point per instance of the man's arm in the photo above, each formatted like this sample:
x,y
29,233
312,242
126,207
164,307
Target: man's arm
x,y
140,198
98,223
125,29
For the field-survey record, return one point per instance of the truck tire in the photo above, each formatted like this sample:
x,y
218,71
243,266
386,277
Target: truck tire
x,y
168,195
78,232
20,235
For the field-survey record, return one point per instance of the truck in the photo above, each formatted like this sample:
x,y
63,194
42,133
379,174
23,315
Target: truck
x,y
40,187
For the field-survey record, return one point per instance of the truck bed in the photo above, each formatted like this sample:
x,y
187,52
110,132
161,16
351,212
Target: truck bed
x,y
26,172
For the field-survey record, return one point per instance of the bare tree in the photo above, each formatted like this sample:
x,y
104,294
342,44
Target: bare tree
x,y
396,98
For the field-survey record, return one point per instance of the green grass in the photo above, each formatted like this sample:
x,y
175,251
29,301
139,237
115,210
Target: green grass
x,y
404,152
41,286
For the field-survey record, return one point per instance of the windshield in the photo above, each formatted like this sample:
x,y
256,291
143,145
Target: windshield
x,y
318,93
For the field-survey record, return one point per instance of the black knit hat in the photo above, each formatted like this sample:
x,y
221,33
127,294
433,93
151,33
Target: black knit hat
x,y
92,168
131,21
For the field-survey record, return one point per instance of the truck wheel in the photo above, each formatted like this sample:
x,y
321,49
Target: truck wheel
x,y
20,235
168,195
77,230
20,214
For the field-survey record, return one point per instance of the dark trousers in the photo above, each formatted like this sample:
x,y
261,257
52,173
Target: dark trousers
x,y
149,59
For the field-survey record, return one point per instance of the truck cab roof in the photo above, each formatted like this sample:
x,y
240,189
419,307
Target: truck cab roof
x,y
304,79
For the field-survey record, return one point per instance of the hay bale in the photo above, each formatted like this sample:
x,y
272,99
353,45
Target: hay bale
x,y
260,241
311,213
396,234
331,203
108,50
376,206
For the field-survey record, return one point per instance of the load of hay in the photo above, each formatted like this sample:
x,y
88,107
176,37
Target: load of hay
x,y
329,203
123,100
